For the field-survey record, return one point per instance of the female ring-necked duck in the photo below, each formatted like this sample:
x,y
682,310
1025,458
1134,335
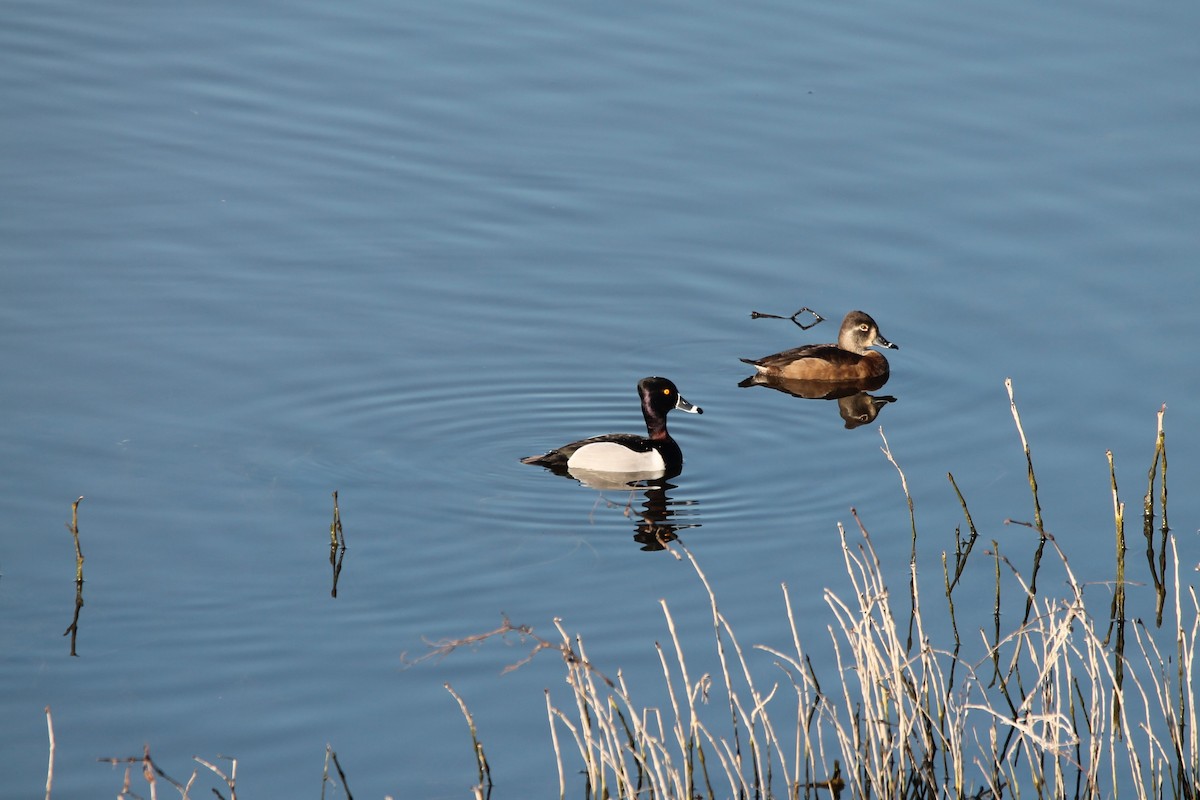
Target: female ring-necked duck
x,y
656,452
848,360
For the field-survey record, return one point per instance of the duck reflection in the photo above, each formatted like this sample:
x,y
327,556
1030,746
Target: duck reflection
x,y
659,518
856,405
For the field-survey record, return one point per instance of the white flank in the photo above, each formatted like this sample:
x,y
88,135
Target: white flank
x,y
612,457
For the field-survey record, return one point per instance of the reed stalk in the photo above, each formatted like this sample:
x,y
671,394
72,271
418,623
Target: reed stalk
x,y
1066,713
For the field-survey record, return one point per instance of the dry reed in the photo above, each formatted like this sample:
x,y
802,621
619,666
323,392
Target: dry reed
x,y
1055,708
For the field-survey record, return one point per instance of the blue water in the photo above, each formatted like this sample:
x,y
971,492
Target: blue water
x,y
253,256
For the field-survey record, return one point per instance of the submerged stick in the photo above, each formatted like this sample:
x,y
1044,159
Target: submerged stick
x,y
994,645
73,629
336,536
481,762
74,529
331,755
1162,448
1158,569
149,770
1117,610
912,521
817,318
961,553
337,545
341,774
1037,506
960,557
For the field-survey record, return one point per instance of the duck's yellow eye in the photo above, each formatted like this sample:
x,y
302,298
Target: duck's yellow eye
x,y
666,391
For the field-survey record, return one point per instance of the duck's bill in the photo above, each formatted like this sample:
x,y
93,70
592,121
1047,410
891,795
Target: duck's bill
x,y
882,342
684,405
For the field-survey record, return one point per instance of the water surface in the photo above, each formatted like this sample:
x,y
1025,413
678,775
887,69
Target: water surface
x,y
254,256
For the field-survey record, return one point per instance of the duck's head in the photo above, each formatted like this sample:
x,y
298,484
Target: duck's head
x,y
859,332
659,396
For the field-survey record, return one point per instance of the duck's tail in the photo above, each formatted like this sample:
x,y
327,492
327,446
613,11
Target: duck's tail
x,y
552,460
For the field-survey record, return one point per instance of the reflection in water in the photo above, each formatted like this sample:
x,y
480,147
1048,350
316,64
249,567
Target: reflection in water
x,y
658,519
856,405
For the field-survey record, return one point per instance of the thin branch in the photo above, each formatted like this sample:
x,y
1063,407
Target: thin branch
x,y
50,766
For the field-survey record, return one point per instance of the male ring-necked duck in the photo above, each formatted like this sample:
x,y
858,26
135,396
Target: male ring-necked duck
x,y
656,452
848,360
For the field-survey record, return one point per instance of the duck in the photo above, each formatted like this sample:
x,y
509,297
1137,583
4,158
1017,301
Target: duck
x,y
851,359
656,453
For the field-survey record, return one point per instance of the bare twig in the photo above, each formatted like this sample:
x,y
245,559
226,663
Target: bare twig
x,y
149,771
330,755
50,766
230,779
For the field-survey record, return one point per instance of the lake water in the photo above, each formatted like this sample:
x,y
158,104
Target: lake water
x,y
253,255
